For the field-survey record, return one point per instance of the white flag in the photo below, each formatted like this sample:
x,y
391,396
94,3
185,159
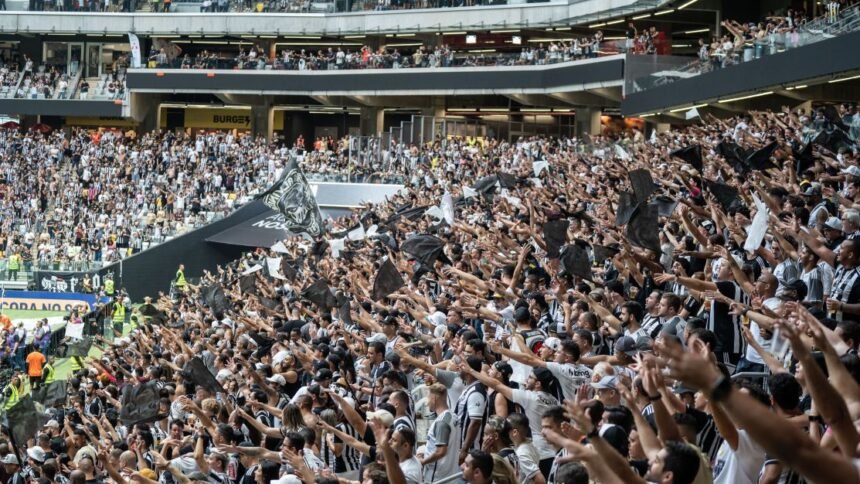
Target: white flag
x,y
653,137
357,233
758,228
336,246
622,153
693,113
447,207
469,193
435,212
252,269
540,166
273,264
134,42
280,248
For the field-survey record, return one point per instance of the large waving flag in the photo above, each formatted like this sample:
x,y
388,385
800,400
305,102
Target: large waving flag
x,y
293,198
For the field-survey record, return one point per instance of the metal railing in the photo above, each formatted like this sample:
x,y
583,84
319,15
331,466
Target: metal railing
x,y
810,33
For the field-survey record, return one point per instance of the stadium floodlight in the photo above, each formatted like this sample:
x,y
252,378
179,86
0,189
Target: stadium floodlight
x,y
741,98
516,40
471,39
682,7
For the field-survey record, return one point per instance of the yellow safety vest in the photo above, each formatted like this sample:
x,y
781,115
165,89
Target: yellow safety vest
x,y
48,373
109,287
180,279
13,397
14,262
118,312
77,364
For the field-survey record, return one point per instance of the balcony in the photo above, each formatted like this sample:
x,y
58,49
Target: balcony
x,y
522,15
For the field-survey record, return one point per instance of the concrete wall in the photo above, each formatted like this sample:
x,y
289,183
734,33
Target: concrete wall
x,y
819,60
508,16
57,107
567,77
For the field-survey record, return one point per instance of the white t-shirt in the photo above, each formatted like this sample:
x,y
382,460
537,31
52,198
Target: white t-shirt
x,y
534,405
529,460
570,376
411,470
740,466
752,355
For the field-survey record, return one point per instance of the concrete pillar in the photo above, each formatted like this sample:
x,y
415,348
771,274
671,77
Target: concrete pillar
x,y
436,109
588,121
371,121
262,120
144,108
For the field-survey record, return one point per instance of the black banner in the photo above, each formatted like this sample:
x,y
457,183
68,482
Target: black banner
x,y
139,404
73,282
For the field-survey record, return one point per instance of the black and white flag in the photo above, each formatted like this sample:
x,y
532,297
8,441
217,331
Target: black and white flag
x,y
293,198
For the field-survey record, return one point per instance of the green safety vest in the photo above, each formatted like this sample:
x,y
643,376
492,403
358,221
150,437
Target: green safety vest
x,y
77,364
48,373
180,279
109,287
14,262
118,312
13,397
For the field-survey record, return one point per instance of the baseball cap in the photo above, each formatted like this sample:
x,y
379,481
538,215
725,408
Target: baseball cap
x,y
36,453
53,424
834,223
277,378
812,189
383,415
552,343
11,459
626,345
609,382
323,374
852,170
378,338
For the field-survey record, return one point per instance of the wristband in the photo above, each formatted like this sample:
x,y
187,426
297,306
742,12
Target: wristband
x,y
721,389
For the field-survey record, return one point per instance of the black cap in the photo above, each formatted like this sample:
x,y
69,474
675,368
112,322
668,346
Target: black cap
x,y
324,374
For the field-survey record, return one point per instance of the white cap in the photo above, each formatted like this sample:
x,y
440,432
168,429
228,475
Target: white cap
x,y
834,223
852,170
277,378
11,459
552,343
53,424
383,415
36,453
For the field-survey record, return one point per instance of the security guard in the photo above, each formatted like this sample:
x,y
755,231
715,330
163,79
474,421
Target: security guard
x,y
179,281
118,315
48,371
13,392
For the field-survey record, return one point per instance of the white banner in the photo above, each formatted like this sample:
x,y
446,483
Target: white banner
x,y
135,50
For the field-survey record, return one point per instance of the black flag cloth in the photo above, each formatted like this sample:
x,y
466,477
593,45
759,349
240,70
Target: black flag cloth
x,y
343,309
602,252
486,185
293,198
575,261
196,371
425,249
642,183
248,283
555,236
642,228
506,180
51,394
79,348
665,205
760,159
215,298
691,154
139,404
626,206
387,280
287,269
320,294
804,158
726,195
25,420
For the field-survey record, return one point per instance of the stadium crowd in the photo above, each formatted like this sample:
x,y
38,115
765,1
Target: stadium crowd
x,y
679,309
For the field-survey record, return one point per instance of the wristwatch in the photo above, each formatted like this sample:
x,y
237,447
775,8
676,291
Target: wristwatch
x,y
721,389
